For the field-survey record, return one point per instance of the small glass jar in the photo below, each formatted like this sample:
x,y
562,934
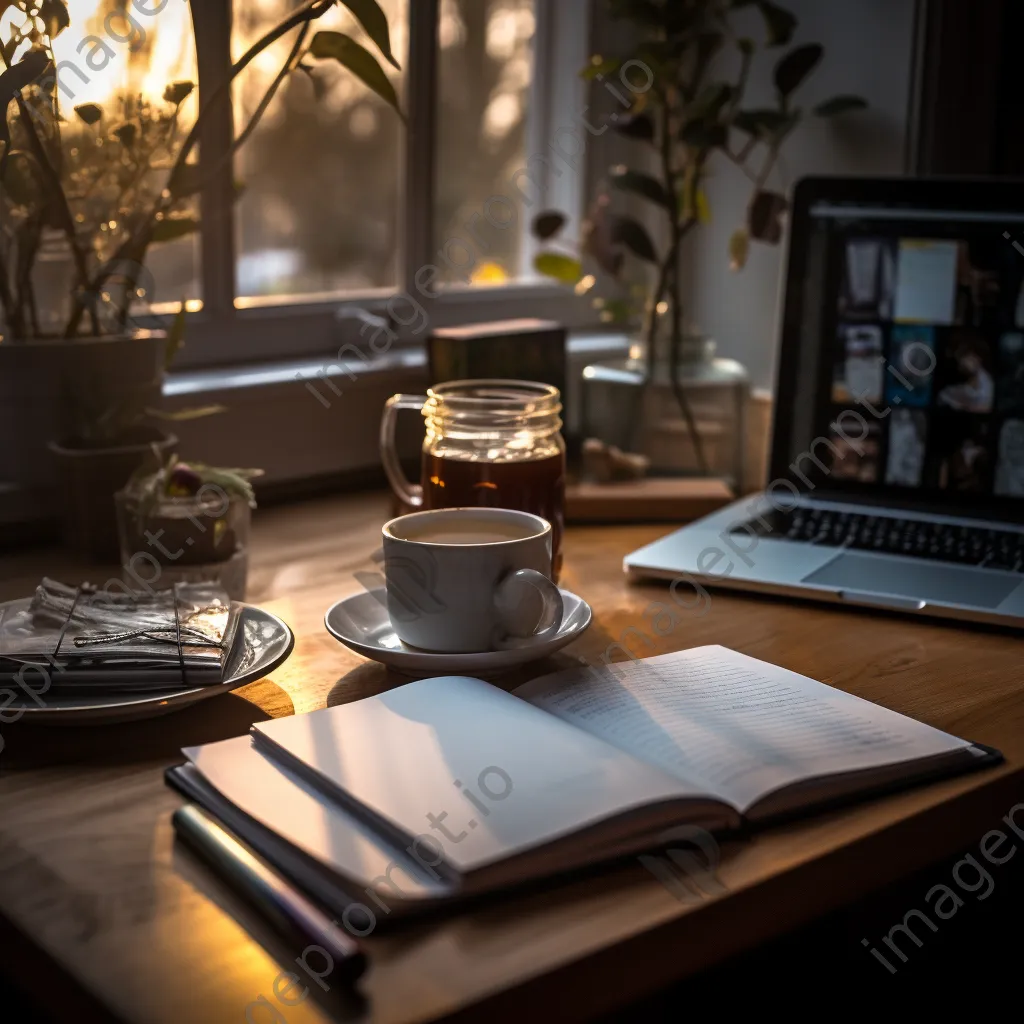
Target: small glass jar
x,y
636,406
488,444
185,540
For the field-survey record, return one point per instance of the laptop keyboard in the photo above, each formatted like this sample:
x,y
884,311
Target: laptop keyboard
x,y
941,542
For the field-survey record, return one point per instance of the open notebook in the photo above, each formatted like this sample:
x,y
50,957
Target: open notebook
x,y
449,787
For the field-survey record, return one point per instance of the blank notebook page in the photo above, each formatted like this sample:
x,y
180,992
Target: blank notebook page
x,y
736,727
419,753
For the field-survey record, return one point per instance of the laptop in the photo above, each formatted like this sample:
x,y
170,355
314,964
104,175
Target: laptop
x,y
897,456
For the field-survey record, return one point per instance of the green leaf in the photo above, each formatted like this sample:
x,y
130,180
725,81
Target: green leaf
x,y
703,207
739,249
175,336
189,181
55,17
172,228
22,180
375,23
639,126
90,113
600,66
781,23
29,69
178,92
765,124
633,235
642,12
347,52
840,105
765,217
792,71
711,101
704,135
126,134
640,184
564,269
546,225
708,44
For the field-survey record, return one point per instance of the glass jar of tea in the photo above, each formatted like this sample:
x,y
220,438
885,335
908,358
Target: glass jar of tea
x,y
489,444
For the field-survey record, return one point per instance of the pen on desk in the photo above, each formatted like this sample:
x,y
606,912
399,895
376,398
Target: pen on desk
x,y
292,914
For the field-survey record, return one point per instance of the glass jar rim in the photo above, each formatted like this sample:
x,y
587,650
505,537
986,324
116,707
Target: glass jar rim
x,y
507,391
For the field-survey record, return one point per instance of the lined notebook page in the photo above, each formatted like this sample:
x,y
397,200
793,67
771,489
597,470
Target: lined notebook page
x,y
735,727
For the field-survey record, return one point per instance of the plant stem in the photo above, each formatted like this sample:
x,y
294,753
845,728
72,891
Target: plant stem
x,y
54,186
12,312
311,11
677,388
260,110
670,280
53,183
33,306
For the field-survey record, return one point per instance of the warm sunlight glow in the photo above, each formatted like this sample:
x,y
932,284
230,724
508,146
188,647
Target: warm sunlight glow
x,y
105,54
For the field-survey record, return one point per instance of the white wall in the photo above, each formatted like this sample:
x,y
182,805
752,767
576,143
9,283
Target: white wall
x,y
868,52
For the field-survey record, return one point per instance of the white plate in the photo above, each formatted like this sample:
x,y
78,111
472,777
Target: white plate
x,y
263,643
361,623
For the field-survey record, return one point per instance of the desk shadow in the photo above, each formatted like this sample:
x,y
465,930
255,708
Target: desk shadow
x,y
342,1002
29,745
371,678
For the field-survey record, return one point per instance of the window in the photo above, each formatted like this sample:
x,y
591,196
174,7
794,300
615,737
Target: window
x,y
486,49
331,200
321,175
122,63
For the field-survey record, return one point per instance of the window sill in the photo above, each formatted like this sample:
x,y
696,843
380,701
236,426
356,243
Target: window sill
x,y
208,383
274,421
300,419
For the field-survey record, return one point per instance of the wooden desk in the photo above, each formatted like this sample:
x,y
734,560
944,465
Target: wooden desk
x,y
89,871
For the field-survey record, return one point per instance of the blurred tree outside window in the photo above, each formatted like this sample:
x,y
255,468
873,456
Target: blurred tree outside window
x,y
322,174
486,66
321,210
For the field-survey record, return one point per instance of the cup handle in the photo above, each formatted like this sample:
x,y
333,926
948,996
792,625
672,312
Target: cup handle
x,y
507,601
410,493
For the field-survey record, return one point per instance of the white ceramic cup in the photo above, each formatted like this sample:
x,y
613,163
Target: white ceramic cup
x,y
485,585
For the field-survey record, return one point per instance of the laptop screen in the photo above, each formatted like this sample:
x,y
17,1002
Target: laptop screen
x,y
911,355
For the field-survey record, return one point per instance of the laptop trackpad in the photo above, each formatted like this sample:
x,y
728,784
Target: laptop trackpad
x,y
925,581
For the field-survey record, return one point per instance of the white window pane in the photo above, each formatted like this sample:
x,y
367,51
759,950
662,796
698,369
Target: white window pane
x,y
486,66
320,211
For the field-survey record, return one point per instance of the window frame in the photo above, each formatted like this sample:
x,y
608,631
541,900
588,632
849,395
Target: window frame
x,y
227,330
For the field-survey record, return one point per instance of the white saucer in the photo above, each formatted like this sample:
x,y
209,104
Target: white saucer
x,y
361,623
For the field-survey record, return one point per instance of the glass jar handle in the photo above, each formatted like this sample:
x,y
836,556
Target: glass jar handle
x,y
410,493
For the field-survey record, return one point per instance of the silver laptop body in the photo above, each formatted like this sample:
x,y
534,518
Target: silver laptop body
x,y
898,440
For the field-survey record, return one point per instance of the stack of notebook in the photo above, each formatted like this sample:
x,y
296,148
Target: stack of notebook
x,y
87,639
447,788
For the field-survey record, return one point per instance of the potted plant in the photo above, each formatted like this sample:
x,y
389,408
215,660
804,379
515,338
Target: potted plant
x,y
688,118
186,522
100,186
